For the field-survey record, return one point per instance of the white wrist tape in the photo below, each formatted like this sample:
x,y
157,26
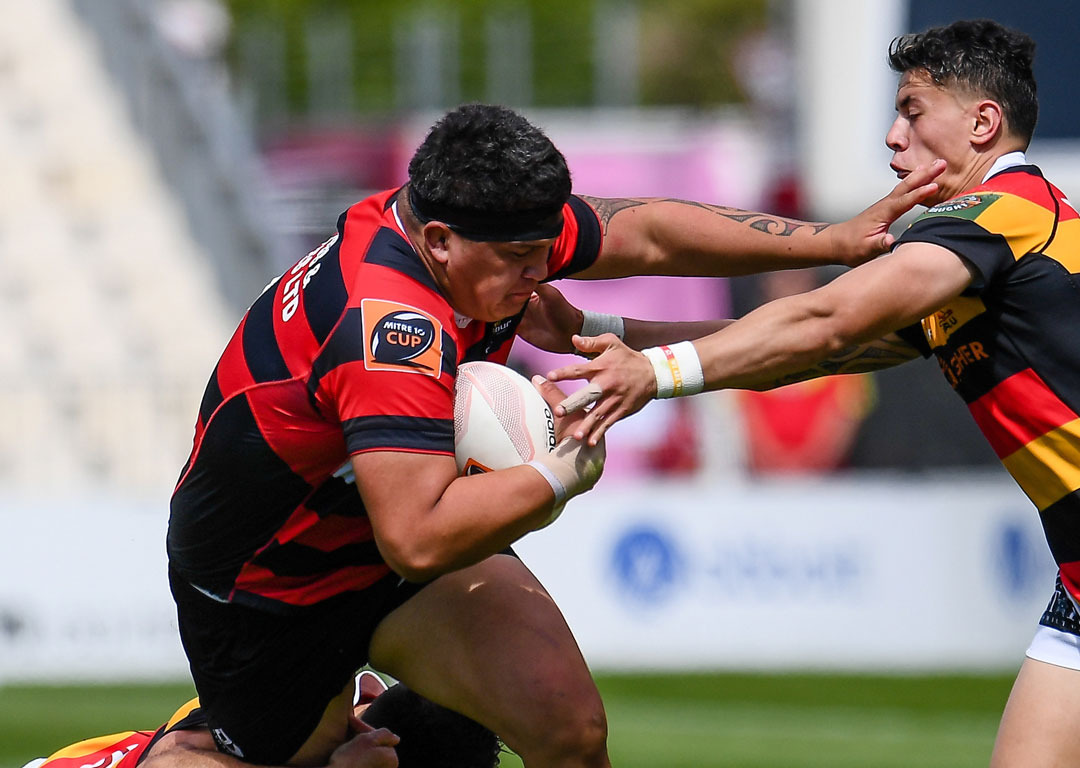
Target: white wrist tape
x,y
553,480
596,323
677,368
572,468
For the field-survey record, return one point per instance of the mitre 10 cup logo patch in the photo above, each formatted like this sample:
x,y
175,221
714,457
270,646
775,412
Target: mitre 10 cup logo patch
x,y
401,338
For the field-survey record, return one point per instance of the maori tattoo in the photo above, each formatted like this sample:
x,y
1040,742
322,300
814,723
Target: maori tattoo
x,y
886,352
607,207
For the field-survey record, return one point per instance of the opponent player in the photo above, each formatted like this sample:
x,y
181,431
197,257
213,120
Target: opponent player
x,y
392,727
285,576
987,281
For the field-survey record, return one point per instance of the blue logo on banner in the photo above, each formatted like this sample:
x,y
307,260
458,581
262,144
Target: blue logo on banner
x,y
646,563
1018,561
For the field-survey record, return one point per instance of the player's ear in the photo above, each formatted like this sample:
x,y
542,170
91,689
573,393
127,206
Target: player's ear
x,y
436,238
987,123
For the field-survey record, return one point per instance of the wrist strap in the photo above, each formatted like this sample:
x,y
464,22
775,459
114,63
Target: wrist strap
x,y
555,483
596,323
677,369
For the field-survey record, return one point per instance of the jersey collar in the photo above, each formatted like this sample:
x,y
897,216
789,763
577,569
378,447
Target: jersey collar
x,y
1006,161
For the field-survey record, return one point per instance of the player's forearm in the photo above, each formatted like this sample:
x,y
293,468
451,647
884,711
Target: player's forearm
x,y
779,343
476,516
639,334
679,237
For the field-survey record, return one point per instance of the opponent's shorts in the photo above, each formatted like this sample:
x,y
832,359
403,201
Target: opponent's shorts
x,y
1057,640
264,679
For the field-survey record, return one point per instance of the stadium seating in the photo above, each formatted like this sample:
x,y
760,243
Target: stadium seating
x,y
112,312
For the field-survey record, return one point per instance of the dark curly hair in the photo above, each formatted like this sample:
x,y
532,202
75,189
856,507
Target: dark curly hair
x,y
489,159
982,57
432,736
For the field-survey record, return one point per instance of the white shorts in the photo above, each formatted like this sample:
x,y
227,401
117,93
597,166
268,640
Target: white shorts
x,y
1053,646
1057,640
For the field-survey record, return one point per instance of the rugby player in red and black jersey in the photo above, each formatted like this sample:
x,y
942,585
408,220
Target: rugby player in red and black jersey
x,y
320,523
987,280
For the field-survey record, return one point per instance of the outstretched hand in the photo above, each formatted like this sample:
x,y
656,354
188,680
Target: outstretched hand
x,y
865,236
621,381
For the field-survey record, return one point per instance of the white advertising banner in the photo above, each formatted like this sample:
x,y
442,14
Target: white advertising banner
x,y
84,592
898,573
904,572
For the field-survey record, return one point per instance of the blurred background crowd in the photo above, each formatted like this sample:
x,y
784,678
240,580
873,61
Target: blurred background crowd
x,y
164,159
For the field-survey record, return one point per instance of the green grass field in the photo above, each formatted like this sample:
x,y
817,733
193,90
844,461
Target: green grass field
x,y
675,721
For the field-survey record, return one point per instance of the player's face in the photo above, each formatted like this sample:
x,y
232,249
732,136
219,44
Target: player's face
x,y
490,281
931,122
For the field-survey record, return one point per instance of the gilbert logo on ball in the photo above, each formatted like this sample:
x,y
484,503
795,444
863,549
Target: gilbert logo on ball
x,y
500,419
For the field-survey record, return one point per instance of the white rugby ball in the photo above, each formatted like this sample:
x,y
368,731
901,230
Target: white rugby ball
x,y
500,420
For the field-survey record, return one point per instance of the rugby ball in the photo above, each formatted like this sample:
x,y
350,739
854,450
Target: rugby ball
x,y
500,419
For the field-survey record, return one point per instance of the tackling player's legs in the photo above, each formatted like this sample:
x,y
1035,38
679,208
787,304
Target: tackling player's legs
x,y
489,642
1038,728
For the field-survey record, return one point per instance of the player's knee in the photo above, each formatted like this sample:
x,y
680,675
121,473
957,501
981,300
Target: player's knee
x,y
577,735
586,740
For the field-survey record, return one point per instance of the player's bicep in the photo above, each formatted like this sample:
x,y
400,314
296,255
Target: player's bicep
x,y
397,486
399,490
626,245
891,292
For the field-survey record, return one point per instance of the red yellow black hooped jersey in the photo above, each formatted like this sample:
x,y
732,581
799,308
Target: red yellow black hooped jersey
x,y
1010,345
125,749
352,349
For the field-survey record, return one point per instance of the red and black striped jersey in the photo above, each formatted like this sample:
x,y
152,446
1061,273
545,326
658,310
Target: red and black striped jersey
x,y
125,749
352,349
1009,345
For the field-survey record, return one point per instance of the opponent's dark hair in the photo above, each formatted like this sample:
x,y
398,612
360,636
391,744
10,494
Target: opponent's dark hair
x,y
490,159
432,736
980,56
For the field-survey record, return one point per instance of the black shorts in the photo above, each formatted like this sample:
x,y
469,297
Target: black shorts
x,y
264,679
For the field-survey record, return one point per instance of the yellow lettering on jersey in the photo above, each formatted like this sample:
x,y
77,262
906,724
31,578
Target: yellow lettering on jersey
x,y
1048,467
952,317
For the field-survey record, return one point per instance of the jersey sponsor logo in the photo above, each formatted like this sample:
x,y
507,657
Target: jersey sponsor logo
x,y
953,365
401,338
967,207
299,276
939,326
100,752
112,759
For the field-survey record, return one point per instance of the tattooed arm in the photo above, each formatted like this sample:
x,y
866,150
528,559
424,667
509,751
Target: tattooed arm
x,y
665,236
842,327
876,355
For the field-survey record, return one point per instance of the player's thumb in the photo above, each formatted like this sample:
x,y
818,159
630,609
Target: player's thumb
x,y
591,346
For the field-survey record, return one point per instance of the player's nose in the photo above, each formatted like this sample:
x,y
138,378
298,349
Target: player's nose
x,y
896,138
